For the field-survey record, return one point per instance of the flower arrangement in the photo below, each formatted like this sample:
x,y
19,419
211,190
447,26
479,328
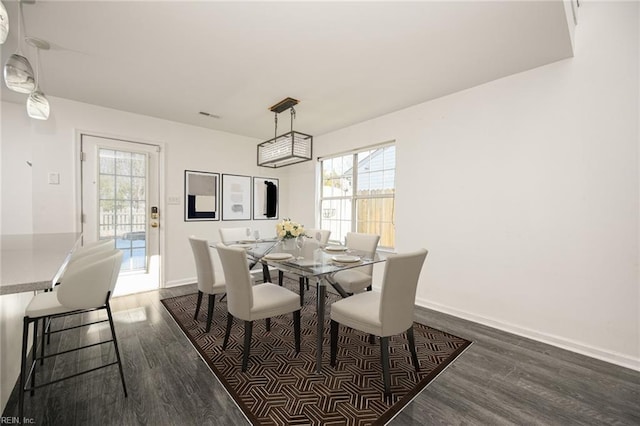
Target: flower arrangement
x,y
288,229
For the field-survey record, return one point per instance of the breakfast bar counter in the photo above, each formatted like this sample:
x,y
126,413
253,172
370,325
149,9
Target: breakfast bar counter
x,y
31,262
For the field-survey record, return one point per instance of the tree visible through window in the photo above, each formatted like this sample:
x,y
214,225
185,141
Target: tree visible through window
x,y
358,194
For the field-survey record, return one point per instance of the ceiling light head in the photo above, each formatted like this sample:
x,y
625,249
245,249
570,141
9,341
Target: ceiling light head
x,y
289,148
38,105
18,74
4,23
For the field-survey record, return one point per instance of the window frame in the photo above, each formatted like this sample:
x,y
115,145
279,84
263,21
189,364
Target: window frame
x,y
354,198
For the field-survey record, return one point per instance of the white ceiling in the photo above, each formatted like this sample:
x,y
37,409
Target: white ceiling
x,y
345,61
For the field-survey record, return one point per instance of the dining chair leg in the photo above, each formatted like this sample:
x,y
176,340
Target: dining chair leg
x,y
212,302
302,282
334,342
280,278
296,329
267,324
372,339
23,367
34,356
115,346
384,357
227,331
306,279
248,329
412,348
198,303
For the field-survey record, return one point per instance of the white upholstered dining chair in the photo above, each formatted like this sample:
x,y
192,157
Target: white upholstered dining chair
x,y
356,280
321,235
250,303
385,313
209,282
87,286
228,235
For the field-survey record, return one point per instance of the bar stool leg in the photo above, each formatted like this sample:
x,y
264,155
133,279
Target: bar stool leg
x,y
115,345
23,367
34,356
44,332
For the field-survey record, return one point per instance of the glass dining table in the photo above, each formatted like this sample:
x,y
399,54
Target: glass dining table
x,y
319,266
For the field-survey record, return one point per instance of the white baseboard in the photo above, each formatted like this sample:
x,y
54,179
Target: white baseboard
x,y
257,274
561,342
178,283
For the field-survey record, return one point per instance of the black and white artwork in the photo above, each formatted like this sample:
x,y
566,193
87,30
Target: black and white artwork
x,y
201,196
265,198
236,197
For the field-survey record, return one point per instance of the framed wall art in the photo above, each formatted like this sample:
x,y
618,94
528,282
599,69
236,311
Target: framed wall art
x,y
265,198
201,196
236,197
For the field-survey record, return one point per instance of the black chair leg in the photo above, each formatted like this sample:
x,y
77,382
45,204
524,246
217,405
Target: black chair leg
x,y
34,356
42,339
212,302
49,324
296,329
23,367
302,291
248,329
227,331
306,280
384,357
280,278
412,348
334,342
198,303
372,339
115,347
267,324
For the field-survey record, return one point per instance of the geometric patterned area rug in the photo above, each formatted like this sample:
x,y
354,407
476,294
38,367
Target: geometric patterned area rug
x,y
282,388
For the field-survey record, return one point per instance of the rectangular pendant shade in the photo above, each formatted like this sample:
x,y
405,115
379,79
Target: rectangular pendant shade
x,y
289,148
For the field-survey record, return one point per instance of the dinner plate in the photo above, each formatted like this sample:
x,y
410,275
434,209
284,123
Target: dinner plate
x,y
248,240
346,259
242,245
335,248
278,256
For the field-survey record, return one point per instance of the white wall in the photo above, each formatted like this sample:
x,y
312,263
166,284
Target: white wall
x,y
525,191
29,204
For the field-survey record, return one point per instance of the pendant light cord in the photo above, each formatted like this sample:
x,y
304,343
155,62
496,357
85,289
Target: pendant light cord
x,y
20,19
275,132
37,70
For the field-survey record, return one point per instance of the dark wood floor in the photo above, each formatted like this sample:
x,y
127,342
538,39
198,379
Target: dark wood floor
x,y
500,379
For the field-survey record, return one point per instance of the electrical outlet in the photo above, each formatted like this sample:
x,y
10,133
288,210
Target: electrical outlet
x,y
173,200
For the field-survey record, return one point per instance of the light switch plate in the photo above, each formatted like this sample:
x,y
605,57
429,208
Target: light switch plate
x,y
173,200
54,178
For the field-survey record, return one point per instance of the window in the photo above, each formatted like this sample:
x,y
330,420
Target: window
x,y
357,193
123,188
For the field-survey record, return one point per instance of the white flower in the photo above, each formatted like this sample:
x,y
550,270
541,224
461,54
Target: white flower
x,y
289,229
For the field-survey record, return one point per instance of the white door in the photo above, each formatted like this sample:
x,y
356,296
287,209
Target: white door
x,y
120,194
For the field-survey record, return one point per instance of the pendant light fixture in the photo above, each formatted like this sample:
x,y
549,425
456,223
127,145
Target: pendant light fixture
x,y
289,148
37,103
18,73
4,23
